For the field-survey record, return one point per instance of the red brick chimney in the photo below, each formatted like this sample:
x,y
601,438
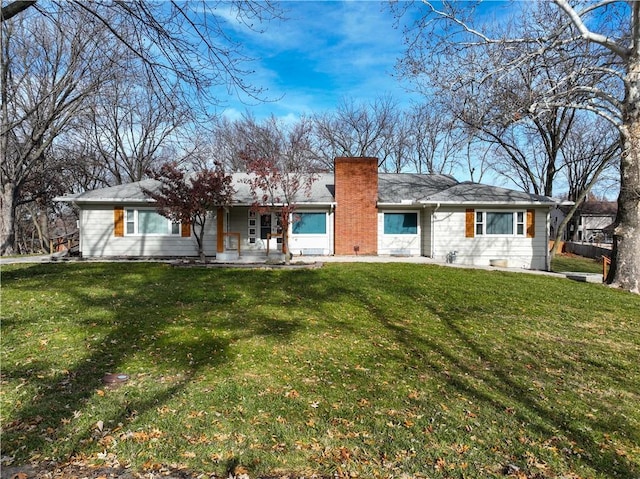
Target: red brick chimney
x,y
356,215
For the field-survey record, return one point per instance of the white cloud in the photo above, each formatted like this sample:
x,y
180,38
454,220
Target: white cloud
x,y
324,52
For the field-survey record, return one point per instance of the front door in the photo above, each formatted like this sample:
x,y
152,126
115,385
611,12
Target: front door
x,y
271,225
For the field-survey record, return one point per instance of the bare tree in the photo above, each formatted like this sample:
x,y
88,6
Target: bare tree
x,y
45,82
591,149
436,141
57,55
190,38
130,128
357,130
495,107
604,39
291,143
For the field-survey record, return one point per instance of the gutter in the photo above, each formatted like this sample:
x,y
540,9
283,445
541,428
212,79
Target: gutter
x,y
67,199
488,203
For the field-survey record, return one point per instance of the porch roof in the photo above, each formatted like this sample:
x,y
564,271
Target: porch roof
x,y
321,193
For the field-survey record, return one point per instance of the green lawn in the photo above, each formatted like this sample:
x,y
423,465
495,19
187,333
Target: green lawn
x,y
361,370
576,264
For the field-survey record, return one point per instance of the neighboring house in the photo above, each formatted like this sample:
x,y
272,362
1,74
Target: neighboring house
x,y
592,222
354,210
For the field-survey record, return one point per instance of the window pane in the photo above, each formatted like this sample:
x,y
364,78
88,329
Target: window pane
x,y
309,224
265,225
520,223
151,222
401,223
131,222
499,223
175,228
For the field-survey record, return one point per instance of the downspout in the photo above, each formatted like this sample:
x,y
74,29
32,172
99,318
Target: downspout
x,y
332,240
547,260
433,227
80,227
220,230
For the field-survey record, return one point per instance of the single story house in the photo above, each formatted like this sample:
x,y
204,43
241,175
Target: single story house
x,y
353,211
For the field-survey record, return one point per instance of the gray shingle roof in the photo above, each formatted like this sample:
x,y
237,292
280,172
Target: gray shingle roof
x,y
394,188
477,193
403,188
130,192
322,190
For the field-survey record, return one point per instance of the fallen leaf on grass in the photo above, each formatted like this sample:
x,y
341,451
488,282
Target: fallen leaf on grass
x,y
440,464
293,394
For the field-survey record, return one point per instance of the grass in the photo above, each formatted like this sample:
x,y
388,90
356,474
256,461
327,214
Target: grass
x,y
563,263
361,370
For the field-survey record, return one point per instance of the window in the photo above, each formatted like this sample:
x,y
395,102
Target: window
x,y
401,223
309,224
131,222
500,223
150,222
265,226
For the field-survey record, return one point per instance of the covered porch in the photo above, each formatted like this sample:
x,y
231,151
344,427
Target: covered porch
x,y
244,232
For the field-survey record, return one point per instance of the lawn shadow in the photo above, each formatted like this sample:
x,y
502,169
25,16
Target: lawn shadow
x,y
517,398
132,315
146,308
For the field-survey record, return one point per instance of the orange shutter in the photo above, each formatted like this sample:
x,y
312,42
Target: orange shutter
x,y
118,221
470,225
531,223
186,230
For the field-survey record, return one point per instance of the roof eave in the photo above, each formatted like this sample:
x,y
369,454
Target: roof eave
x,y
488,203
79,201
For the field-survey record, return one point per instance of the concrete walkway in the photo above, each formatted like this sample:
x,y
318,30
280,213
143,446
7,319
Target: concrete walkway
x,y
43,258
247,260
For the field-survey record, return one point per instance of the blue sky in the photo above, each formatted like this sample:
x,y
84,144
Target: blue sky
x,y
324,52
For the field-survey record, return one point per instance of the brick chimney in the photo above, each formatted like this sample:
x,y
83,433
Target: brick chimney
x,y
356,215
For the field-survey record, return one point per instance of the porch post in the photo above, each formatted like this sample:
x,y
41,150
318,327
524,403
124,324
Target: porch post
x,y
220,230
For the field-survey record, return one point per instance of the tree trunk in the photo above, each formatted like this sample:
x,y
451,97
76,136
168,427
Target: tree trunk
x,y
625,266
285,235
7,219
200,239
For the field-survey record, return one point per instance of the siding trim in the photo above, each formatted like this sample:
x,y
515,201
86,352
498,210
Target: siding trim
x,y
186,230
118,221
531,223
470,219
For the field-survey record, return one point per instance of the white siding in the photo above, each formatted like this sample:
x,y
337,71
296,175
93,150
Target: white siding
x,y
316,244
238,221
427,233
520,252
405,244
97,238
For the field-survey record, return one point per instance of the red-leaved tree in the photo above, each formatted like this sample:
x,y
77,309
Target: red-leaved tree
x,y
276,187
189,199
